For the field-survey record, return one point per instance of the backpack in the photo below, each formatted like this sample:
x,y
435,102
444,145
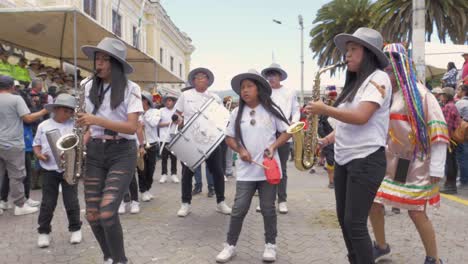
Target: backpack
x,y
460,135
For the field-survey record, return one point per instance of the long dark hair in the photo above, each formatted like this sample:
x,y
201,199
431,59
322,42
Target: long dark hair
x,y
118,81
265,101
354,80
450,66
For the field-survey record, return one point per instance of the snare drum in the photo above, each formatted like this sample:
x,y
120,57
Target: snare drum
x,y
203,132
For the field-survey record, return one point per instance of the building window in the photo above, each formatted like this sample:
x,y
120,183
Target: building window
x,y
89,7
161,55
180,70
116,23
172,64
135,37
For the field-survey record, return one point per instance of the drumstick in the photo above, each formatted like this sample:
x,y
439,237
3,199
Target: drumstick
x,y
259,164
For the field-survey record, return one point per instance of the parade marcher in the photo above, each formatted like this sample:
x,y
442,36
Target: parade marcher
x,y
13,112
113,104
415,154
362,112
149,122
130,201
164,136
198,185
188,103
462,149
252,132
452,119
227,161
63,110
286,99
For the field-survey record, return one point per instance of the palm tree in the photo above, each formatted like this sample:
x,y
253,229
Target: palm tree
x,y
449,17
336,17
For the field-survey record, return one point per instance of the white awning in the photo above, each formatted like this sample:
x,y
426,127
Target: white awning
x,y
50,32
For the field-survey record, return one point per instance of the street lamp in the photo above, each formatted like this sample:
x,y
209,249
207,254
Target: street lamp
x,y
301,24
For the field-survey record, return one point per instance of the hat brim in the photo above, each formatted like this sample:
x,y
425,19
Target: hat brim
x,y
237,81
198,70
90,52
149,99
283,73
50,107
343,38
169,97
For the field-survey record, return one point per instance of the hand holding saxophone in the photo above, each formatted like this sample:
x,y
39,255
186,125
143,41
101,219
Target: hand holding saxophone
x,y
316,107
85,119
43,157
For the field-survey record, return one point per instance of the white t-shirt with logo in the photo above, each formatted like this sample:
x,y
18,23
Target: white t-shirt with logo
x,y
191,101
166,117
41,140
256,138
359,141
131,104
151,120
286,99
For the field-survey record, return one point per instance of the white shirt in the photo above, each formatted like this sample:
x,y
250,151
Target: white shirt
x,y
191,101
151,120
359,141
286,99
131,104
41,140
257,138
166,117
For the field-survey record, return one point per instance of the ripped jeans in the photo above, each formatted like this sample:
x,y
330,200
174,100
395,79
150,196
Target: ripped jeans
x,y
110,166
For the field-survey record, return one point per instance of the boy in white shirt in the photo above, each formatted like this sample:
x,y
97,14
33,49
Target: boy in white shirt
x,y
63,110
166,126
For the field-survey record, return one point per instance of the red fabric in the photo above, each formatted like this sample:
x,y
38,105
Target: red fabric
x,y
465,71
272,171
401,117
452,117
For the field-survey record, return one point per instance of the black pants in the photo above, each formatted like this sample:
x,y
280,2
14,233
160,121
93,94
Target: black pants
x,y
132,194
145,177
164,156
451,167
27,180
356,184
283,153
110,167
50,191
224,148
214,165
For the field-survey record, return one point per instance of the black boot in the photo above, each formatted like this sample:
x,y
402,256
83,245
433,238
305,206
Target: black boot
x,y
210,191
197,189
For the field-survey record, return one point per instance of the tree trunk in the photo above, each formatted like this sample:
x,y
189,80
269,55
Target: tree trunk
x,y
419,29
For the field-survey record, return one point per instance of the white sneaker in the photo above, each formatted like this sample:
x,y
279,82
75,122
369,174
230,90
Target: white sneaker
x,y
60,188
43,240
123,208
227,254
163,178
174,178
134,207
76,237
25,209
283,208
270,253
225,178
5,205
223,208
150,195
258,209
145,197
33,203
108,261
184,210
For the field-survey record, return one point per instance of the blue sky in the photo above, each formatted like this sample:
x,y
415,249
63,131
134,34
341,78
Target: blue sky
x,y
233,36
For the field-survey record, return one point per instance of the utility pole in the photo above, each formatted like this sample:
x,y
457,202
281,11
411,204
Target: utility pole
x,y
301,24
419,32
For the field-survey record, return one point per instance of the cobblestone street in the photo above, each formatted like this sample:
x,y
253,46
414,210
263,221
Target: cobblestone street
x,y
308,234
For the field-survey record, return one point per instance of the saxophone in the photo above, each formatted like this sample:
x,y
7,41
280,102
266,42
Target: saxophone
x,y
71,145
305,141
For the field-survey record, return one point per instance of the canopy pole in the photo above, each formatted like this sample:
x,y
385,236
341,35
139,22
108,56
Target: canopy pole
x,y
75,62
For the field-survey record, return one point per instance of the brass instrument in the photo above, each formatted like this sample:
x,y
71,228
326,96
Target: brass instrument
x,y
305,142
72,145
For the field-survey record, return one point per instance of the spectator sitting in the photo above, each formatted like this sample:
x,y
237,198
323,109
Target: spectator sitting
x,y
450,77
20,73
5,67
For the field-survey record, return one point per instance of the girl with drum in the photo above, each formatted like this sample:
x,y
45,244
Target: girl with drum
x,y
362,112
113,104
252,133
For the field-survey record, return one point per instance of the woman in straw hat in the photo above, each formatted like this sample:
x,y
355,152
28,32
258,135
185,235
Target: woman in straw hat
x,y
362,114
415,154
113,104
251,130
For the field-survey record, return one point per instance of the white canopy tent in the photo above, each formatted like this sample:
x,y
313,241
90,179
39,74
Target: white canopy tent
x,y
438,55
59,32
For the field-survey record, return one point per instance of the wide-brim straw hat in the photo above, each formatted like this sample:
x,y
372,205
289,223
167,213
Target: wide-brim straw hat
x,y
114,48
62,100
208,73
277,68
366,37
252,75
